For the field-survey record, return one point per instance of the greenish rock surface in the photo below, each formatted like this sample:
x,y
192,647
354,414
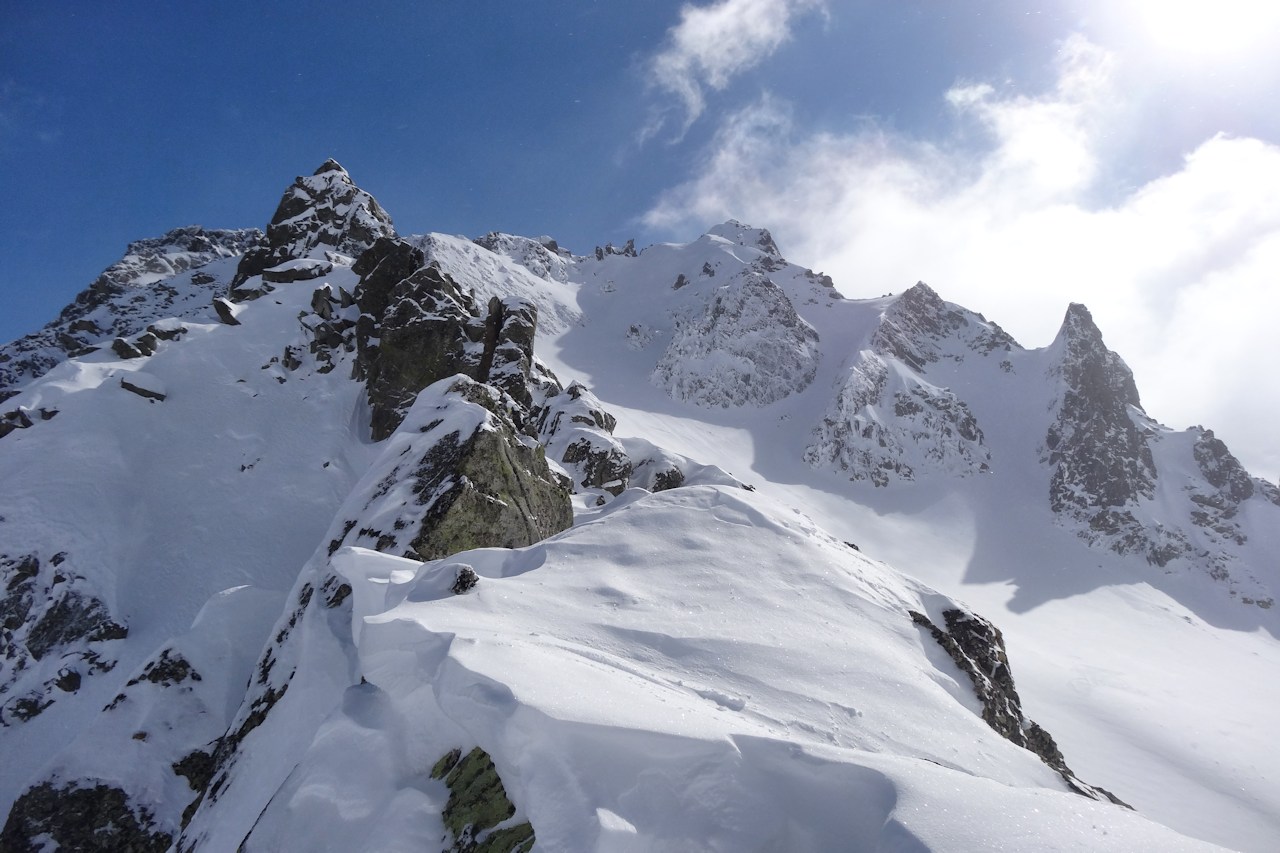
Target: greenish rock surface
x,y
76,818
478,804
491,489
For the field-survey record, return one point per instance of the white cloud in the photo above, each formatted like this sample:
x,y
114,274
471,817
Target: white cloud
x,y
1182,274
712,44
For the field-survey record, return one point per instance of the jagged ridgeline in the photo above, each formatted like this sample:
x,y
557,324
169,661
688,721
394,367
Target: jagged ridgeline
x,y
306,545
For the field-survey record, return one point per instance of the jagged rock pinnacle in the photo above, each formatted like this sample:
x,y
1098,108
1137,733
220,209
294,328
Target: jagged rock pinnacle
x,y
319,214
330,165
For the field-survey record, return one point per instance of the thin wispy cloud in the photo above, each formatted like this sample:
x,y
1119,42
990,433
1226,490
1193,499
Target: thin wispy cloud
x,y
1180,272
714,43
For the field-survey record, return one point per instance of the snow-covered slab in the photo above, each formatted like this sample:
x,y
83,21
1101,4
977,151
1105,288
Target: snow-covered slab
x,y
299,269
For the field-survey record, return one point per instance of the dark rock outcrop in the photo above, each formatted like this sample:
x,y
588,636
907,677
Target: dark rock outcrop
x,y
578,431
977,648
319,213
1101,458
417,326
225,312
80,817
49,613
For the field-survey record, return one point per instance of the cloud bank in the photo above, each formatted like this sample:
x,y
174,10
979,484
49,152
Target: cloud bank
x,y
713,44
1182,273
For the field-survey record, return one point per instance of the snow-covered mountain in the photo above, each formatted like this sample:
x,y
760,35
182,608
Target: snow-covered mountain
x,y
332,539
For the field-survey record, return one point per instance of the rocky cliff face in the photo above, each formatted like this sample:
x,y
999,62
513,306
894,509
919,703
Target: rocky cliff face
x,y
1100,456
888,422
744,346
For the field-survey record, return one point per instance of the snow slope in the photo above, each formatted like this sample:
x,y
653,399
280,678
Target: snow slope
x,y
705,667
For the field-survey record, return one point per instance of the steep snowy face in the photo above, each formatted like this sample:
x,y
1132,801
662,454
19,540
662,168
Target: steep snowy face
x,y
320,214
887,421
505,266
744,346
168,276
542,257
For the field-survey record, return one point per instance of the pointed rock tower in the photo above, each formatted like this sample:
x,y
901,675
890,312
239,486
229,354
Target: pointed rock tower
x,y
318,215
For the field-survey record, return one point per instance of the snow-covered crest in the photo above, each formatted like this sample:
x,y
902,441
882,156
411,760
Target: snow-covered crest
x,y
691,665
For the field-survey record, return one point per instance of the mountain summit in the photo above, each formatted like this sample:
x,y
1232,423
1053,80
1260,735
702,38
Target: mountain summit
x,y
330,538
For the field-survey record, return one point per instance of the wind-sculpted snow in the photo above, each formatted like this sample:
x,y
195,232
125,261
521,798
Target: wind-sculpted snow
x,y
170,276
744,346
634,695
888,424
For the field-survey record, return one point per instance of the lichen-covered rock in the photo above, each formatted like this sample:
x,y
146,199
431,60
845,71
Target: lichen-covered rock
x,y
320,213
478,806
459,475
745,345
977,648
80,816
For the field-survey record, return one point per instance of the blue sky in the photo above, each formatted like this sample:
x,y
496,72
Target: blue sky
x,y
1016,155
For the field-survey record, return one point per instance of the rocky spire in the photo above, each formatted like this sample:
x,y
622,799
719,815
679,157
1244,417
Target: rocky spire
x,y
321,213
1101,459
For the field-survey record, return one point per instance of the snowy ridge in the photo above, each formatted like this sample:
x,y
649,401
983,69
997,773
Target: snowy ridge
x,y
170,276
607,548
503,266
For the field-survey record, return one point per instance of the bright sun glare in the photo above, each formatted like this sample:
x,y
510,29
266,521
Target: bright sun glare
x,y
1215,29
